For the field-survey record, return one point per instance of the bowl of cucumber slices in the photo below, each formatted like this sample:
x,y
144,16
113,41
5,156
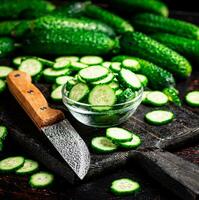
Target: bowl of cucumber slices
x,y
98,97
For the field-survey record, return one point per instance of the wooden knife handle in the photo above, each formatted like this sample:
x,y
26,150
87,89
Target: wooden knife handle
x,y
32,100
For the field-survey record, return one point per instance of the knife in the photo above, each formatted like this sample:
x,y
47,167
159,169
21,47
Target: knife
x,y
51,122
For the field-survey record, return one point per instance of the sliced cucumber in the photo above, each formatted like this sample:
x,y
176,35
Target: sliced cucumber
x,y
68,58
11,163
94,73
63,80
143,79
45,62
131,64
2,86
70,83
118,92
56,94
118,134
78,92
159,117
3,132
4,71
106,64
102,97
114,85
17,61
173,95
91,60
115,67
106,80
61,65
103,145
41,180
28,167
129,79
78,77
157,98
134,143
144,99
126,95
31,66
76,66
192,98
124,186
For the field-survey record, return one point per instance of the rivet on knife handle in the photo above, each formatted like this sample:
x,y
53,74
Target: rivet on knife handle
x,y
32,100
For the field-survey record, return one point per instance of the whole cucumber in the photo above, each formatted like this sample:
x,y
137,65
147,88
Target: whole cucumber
x,y
142,46
6,46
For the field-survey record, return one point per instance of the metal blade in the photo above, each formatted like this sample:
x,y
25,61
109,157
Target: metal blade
x,y
70,146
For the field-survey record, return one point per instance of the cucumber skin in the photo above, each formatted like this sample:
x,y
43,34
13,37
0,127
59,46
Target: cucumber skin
x,y
158,78
6,46
152,23
132,6
145,47
185,46
172,95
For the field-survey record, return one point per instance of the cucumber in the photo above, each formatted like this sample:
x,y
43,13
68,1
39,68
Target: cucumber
x,y
3,133
115,67
143,79
68,58
78,92
129,79
118,92
151,50
159,117
102,98
17,61
11,163
28,167
144,99
118,134
114,85
134,143
185,46
93,73
56,94
147,22
63,80
173,96
117,23
91,60
131,64
124,186
126,95
106,64
78,77
156,98
106,80
31,66
1,145
45,62
41,180
6,46
6,27
2,86
4,71
76,66
61,65
192,98
70,83
103,145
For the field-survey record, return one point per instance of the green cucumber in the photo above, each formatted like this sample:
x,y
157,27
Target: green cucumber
x,y
62,80
192,98
134,143
56,94
6,46
70,83
91,60
173,95
118,92
68,58
159,117
28,167
143,79
4,71
156,98
106,64
76,66
126,95
3,133
2,86
105,80
144,47
17,61
1,145
114,85
103,145
131,64
115,67
147,22
61,65
144,99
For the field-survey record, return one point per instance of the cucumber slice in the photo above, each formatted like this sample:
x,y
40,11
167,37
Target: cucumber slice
x,y
157,98
118,134
68,58
143,79
131,64
41,180
78,92
115,67
17,61
118,92
28,167
144,99
94,73
78,77
31,66
91,60
77,66
61,65
45,62
134,143
2,86
51,74
3,132
102,97
129,79
106,80
159,117
70,84
63,80
114,85
126,95
56,94
124,186
4,71
192,98
106,64
11,163
103,145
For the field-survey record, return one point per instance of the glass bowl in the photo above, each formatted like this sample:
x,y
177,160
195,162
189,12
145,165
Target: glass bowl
x,y
118,113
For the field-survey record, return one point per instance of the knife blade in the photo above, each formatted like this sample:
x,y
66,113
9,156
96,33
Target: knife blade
x,y
51,122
